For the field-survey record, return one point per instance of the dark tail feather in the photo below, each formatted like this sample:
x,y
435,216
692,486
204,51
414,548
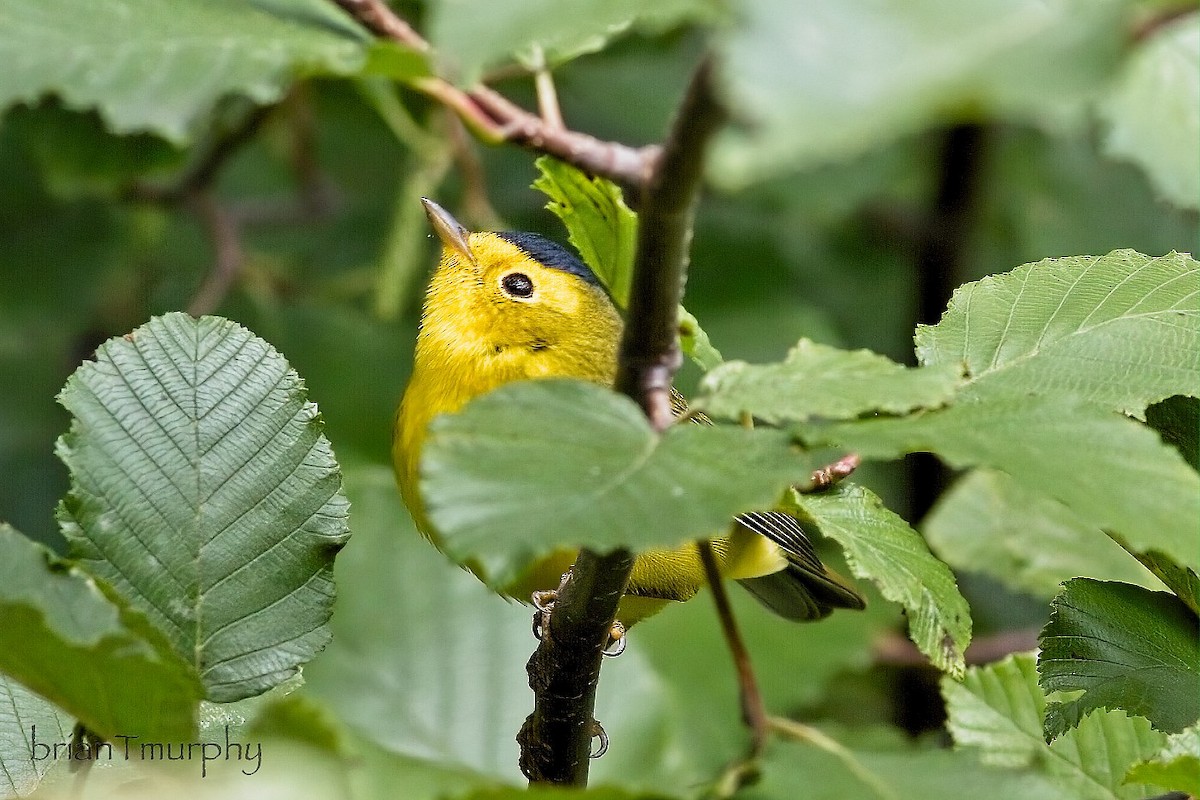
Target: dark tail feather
x,y
797,594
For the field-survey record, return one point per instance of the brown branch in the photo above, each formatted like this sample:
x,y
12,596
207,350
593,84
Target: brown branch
x,y
202,172
564,671
649,354
754,711
380,20
228,256
494,118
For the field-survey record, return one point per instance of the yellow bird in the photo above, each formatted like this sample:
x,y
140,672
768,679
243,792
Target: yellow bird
x,y
509,306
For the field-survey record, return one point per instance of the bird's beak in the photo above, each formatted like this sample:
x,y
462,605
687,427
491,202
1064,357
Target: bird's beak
x,y
448,229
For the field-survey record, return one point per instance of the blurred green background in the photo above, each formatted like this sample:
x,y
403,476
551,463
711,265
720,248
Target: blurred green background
x,y
850,238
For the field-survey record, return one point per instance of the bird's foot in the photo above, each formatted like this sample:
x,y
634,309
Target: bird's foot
x,y
543,605
616,640
598,733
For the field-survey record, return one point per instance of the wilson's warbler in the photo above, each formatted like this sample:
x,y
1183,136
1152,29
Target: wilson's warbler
x,y
512,306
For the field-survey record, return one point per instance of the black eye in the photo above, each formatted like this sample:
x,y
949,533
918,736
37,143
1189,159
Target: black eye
x,y
517,284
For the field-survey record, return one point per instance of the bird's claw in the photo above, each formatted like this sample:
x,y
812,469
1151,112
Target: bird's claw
x,y
543,603
616,640
598,733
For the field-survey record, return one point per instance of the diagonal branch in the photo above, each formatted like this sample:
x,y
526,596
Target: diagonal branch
x,y
494,118
564,671
650,354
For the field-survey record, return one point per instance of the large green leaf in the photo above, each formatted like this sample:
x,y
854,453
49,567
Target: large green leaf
x,y
881,546
535,466
476,34
27,721
1124,647
1121,330
824,79
997,710
1153,114
816,380
146,66
205,493
988,522
103,663
1113,473
1176,766
444,683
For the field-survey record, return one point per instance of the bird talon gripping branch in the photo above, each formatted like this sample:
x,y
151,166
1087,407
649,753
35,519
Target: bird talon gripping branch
x,y
598,733
616,640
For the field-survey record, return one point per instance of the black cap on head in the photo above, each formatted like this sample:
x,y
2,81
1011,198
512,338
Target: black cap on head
x,y
549,254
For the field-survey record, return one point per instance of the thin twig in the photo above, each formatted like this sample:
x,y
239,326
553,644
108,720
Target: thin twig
x,y
202,172
649,354
494,118
754,711
228,256
376,17
547,95
477,208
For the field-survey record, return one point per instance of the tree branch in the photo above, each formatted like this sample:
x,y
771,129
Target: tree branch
x,y
494,118
564,671
650,355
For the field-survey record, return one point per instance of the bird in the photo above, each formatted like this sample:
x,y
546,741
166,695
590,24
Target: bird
x,y
505,306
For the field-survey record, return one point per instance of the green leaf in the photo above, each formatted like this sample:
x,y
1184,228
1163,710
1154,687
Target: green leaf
x,y
446,685
989,522
58,627
1124,647
146,67
599,224
1098,464
601,476
604,231
24,716
1121,330
1153,113
1180,580
816,380
997,711
477,34
205,493
1176,766
823,79
880,546
792,769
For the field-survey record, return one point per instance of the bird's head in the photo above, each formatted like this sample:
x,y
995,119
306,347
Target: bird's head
x,y
517,304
